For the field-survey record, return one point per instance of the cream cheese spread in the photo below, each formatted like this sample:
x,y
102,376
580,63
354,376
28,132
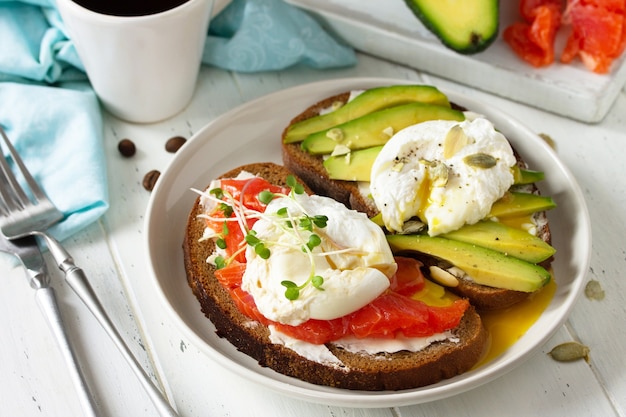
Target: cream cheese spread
x,y
371,346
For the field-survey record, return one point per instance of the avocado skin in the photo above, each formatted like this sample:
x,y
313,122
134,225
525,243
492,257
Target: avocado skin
x,y
485,266
479,37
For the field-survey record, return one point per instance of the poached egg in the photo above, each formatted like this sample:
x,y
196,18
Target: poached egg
x,y
446,173
353,258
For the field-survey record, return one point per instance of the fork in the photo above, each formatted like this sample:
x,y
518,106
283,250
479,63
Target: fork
x,y
19,217
27,251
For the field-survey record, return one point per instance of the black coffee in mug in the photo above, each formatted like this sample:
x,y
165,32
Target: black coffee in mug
x,y
129,7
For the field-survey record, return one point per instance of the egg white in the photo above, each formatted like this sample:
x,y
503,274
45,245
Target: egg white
x,y
352,279
404,185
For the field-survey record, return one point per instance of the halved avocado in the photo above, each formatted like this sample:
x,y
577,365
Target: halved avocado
x,y
467,26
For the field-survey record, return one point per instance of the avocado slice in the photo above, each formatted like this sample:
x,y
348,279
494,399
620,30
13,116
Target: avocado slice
x,y
526,176
358,165
354,166
505,239
515,204
466,27
376,128
484,266
367,102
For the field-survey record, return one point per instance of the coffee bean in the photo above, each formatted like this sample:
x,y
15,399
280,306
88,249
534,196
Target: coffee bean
x,y
173,144
150,179
126,147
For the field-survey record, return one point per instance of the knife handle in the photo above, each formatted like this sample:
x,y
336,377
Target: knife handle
x,y
78,282
46,299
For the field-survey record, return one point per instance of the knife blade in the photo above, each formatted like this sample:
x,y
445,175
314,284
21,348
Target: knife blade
x,y
28,252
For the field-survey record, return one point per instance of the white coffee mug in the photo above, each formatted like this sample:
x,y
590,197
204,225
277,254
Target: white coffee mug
x,y
143,68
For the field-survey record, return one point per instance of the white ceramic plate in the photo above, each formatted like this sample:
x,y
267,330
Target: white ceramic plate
x,y
389,29
251,133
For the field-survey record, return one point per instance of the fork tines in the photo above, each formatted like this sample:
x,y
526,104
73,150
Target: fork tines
x,y
16,198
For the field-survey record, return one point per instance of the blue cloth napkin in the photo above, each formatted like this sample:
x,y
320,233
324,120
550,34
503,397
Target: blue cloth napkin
x,y
262,35
247,36
58,134
52,115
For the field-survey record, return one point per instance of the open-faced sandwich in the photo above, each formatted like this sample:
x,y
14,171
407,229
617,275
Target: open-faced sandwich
x,y
311,289
366,260
444,182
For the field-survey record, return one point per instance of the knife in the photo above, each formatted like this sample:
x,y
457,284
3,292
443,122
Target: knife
x,y
28,252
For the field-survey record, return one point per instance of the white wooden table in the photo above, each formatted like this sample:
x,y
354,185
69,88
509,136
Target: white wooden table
x,y
33,377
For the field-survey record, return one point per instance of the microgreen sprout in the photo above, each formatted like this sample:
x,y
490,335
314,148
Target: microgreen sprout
x,y
292,290
220,243
220,262
259,247
320,221
217,192
226,209
251,238
314,241
306,223
295,186
234,211
266,196
262,251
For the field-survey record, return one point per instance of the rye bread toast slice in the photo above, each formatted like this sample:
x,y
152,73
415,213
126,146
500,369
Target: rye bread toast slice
x,y
360,371
311,169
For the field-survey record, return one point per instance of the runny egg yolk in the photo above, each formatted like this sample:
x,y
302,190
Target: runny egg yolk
x,y
423,195
506,326
434,295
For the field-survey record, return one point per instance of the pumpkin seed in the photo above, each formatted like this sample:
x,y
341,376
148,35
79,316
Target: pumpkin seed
x,y
594,291
412,226
335,134
570,351
340,150
455,140
336,105
440,175
480,160
438,172
548,139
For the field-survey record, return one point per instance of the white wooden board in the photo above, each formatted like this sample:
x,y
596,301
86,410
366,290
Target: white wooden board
x,y
388,29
